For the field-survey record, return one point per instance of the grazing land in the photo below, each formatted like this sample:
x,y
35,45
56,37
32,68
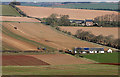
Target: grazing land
x,y
104,58
77,69
105,31
36,34
112,6
82,14
8,11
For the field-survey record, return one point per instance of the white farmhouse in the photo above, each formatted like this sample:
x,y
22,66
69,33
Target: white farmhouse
x,y
91,51
84,52
101,51
109,51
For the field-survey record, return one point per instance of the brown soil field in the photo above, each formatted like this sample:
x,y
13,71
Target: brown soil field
x,y
21,60
105,31
82,14
20,19
60,59
46,35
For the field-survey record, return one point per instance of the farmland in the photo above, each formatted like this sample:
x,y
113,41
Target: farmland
x,y
37,35
104,58
79,69
112,6
17,19
42,12
38,60
21,34
105,31
21,60
8,11
57,64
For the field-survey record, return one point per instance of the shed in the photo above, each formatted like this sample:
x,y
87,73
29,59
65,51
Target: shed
x,y
89,22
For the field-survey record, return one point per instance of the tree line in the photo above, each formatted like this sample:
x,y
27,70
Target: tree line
x,y
100,39
57,20
18,10
108,20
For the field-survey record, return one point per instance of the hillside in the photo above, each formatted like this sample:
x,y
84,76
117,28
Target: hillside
x,y
102,6
8,11
17,19
42,12
105,31
36,34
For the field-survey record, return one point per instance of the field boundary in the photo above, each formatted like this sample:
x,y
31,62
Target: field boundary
x,y
80,39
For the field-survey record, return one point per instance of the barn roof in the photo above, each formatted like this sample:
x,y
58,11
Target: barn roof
x,y
88,20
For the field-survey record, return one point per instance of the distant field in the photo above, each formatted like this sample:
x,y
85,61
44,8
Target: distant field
x,y
104,58
105,31
8,11
112,6
42,12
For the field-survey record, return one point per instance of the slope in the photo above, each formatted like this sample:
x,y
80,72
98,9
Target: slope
x,y
45,36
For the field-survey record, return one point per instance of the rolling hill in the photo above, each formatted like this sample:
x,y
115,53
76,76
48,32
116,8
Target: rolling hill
x,y
32,35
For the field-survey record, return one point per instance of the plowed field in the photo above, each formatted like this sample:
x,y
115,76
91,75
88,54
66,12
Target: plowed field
x,y
21,60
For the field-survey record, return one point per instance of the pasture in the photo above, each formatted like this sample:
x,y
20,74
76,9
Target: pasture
x,y
53,64
77,69
104,58
8,11
105,31
112,6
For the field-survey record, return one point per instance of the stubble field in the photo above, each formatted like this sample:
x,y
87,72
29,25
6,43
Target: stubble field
x,y
81,14
105,31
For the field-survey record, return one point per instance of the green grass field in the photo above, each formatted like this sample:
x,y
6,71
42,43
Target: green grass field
x,y
104,58
112,6
81,69
8,11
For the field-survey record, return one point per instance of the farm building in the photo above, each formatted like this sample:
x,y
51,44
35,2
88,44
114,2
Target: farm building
x,y
77,21
89,22
83,22
89,50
